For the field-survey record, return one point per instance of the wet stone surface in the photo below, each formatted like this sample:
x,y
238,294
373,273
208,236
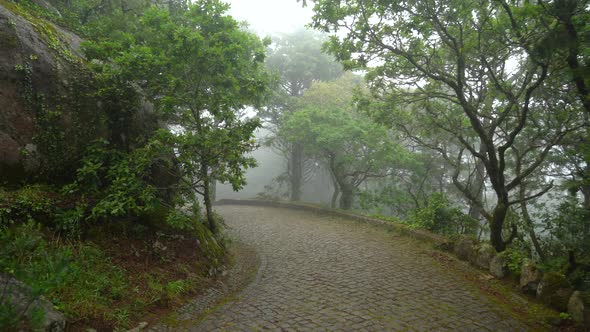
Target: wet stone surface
x,y
320,273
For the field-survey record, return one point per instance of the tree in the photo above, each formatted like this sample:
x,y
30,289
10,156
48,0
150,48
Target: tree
x,y
200,70
477,69
352,147
299,61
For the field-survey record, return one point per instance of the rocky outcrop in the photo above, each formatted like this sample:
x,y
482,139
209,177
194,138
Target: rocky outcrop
x,y
530,277
49,111
25,304
482,255
464,248
38,61
498,267
579,308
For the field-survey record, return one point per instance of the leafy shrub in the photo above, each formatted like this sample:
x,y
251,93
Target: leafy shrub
x,y
69,222
441,217
26,256
118,181
182,221
515,258
29,202
568,228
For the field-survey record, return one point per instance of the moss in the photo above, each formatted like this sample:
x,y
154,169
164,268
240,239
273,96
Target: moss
x,y
8,40
554,290
37,17
554,280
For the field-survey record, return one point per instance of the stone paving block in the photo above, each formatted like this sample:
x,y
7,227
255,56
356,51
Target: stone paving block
x,y
327,274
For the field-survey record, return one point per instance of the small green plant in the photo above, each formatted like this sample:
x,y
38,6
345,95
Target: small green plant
x,y
26,256
11,23
25,204
441,217
514,260
69,222
175,288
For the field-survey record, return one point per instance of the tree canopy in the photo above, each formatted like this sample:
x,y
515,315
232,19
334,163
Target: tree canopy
x,y
477,71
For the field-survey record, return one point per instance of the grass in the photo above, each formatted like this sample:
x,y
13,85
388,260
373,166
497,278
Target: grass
x,y
105,282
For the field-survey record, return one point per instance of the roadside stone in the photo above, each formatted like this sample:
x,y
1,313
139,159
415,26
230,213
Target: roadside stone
x,y
482,255
530,277
445,246
498,267
19,295
579,308
139,327
464,248
554,290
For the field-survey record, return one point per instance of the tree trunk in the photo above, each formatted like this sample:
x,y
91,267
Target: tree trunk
x,y
336,192
497,224
335,195
207,198
347,197
477,188
585,186
529,222
296,171
213,190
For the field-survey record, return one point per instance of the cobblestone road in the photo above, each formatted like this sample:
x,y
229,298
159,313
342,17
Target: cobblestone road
x,y
319,273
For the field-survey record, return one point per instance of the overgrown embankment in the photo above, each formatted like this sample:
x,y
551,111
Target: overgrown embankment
x,y
105,155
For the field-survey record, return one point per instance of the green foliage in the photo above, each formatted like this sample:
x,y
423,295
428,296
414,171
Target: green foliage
x,y
437,71
579,277
70,222
441,217
182,221
29,202
78,278
176,288
351,146
200,69
212,244
118,181
515,258
26,256
299,61
569,229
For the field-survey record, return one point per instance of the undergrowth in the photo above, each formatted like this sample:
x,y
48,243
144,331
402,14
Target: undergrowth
x,y
105,271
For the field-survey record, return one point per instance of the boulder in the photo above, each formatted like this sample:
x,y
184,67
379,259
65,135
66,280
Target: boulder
x,y
554,290
578,307
21,300
498,267
37,61
48,111
483,255
530,277
464,248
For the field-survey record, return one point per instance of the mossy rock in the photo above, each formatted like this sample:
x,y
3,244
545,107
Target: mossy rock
x,y
464,248
8,40
554,290
483,255
579,308
498,267
530,277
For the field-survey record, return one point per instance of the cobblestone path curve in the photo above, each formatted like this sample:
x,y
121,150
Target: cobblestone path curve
x,y
319,273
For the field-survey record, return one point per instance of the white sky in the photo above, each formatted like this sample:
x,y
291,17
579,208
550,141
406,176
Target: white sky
x,y
269,17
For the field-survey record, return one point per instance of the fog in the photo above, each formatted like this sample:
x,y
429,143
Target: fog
x,y
271,164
